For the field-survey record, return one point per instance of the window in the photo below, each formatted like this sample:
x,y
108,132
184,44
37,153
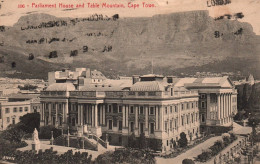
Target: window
x,y
120,109
151,111
21,109
175,123
120,125
171,91
141,110
176,108
141,128
165,110
60,121
15,110
131,109
26,109
165,126
110,109
170,109
182,106
192,120
188,106
53,106
115,108
151,128
203,104
110,124
171,125
13,120
196,103
60,106
114,122
192,106
202,118
7,119
132,126
203,96
7,110
182,120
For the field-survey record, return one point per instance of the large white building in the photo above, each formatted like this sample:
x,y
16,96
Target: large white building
x,y
157,106
12,111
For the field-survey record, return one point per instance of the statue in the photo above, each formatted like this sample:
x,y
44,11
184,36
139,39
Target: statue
x,y
36,142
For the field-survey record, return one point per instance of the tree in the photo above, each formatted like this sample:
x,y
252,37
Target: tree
x,y
29,122
13,64
142,141
132,141
183,142
45,132
31,56
13,133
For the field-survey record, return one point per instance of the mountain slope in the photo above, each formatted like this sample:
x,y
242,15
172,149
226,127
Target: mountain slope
x,y
127,46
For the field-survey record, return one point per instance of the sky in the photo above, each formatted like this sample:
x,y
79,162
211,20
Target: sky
x,y
10,13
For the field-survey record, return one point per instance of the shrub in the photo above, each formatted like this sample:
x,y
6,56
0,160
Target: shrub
x,y
126,156
204,156
45,132
188,161
183,140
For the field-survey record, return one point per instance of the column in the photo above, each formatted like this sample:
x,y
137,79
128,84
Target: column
x,y
42,111
95,115
78,115
100,114
66,112
136,116
208,107
226,96
218,112
222,106
161,118
156,118
104,114
230,105
86,113
123,108
126,117
49,113
146,116
81,114
90,113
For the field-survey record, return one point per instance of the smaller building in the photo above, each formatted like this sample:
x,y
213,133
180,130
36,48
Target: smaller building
x,y
12,111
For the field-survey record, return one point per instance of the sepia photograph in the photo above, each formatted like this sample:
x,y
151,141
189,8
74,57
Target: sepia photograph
x,y
130,81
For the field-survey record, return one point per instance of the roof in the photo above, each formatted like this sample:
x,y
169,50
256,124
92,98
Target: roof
x,y
108,85
97,75
61,87
23,96
204,82
148,86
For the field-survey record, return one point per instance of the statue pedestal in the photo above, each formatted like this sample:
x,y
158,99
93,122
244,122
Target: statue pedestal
x,y
36,146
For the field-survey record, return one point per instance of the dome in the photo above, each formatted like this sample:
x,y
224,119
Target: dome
x,y
148,86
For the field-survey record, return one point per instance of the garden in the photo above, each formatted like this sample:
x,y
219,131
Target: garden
x,y
183,146
227,139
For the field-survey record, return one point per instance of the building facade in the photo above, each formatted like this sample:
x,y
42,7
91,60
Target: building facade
x,y
12,111
158,107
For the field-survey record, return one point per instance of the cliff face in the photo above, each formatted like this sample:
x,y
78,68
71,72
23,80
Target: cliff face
x,y
128,45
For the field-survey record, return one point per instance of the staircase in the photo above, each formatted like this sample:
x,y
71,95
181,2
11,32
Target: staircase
x,y
95,139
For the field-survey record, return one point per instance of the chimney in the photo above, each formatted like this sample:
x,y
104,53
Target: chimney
x,y
135,78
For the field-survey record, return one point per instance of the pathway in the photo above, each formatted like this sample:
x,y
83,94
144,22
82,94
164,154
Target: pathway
x,y
191,153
